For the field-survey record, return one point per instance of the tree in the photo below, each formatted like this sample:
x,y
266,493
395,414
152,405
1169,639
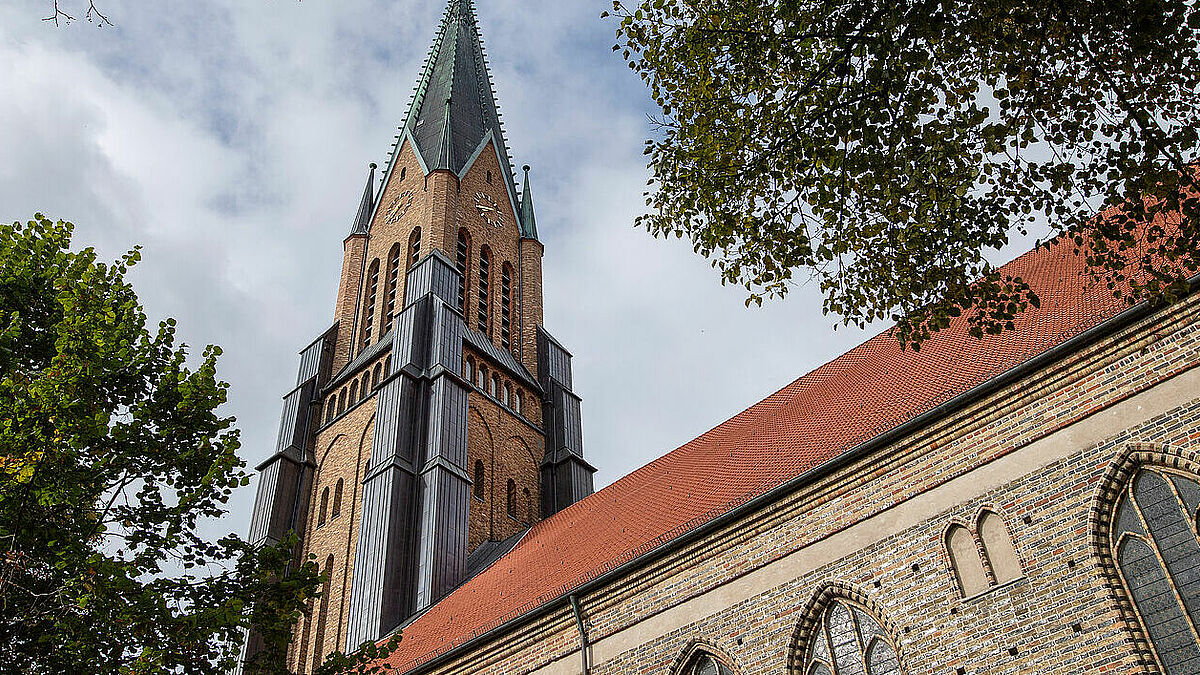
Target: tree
x,y
111,450
882,148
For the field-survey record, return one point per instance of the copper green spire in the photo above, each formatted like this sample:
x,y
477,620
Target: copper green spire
x,y
528,222
362,222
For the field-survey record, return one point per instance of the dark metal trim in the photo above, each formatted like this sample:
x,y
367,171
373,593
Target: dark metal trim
x,y
583,642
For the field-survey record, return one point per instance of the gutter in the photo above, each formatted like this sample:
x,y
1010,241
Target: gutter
x,y
583,643
1084,339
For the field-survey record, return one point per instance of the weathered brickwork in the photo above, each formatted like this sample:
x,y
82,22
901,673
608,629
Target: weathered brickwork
x,y
841,533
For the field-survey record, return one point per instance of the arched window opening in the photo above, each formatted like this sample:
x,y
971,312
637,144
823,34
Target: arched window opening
x,y
505,395
324,507
365,389
337,499
848,639
1156,551
489,178
330,409
512,499
506,306
342,401
375,375
461,262
516,402
354,392
414,247
998,547
485,264
495,385
965,561
481,377
528,498
469,369
706,664
477,488
387,365
319,638
393,281
369,309
403,173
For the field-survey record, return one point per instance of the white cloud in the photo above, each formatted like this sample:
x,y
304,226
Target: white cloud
x,y
231,139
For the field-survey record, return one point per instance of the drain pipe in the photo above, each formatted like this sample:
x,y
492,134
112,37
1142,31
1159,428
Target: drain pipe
x,y
583,644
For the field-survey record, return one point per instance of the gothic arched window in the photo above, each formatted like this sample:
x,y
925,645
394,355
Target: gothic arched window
x,y
461,262
495,388
983,558
469,369
849,640
512,499
369,309
414,247
481,377
506,393
1157,555
998,548
342,402
337,499
330,409
375,375
965,561
353,392
485,265
319,638
393,280
516,401
506,303
528,505
706,664
477,489
324,507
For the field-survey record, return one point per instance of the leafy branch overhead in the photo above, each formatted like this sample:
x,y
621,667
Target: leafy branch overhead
x,y
882,148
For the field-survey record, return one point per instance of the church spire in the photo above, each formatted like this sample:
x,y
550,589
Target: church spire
x,y
528,222
362,222
454,109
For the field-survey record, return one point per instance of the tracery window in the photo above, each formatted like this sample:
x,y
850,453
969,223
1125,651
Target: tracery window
x,y
485,264
849,641
1157,554
461,262
506,306
706,664
393,280
369,310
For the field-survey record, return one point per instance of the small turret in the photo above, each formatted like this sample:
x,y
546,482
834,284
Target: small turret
x,y
362,222
528,222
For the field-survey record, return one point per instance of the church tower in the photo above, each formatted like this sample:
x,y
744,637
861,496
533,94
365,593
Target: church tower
x,y
434,422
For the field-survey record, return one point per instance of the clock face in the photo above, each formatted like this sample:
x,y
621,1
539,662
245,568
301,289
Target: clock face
x,y
399,206
488,210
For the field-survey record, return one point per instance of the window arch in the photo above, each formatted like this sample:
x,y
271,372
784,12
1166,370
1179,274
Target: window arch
x,y
516,401
337,499
387,365
506,304
342,402
485,271
403,173
414,247
706,664
462,263
494,388
369,309
983,557
528,505
965,561
319,639
842,632
375,375
469,369
512,499
481,377
364,390
477,489
331,409
324,506
353,392
506,393
393,280
1153,545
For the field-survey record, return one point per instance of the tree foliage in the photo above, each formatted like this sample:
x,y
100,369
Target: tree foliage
x,y
884,147
112,449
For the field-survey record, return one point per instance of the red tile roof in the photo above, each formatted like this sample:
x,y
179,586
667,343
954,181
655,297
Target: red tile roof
x,y
848,401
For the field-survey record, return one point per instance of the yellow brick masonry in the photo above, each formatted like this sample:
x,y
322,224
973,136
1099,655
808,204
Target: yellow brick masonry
x,y
641,622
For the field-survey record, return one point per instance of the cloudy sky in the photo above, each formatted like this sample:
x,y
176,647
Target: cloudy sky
x,y
230,138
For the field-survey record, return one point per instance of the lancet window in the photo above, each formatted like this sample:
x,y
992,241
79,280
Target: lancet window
x,y
369,308
324,507
414,247
706,664
1157,554
461,261
983,557
337,499
485,264
850,641
506,306
512,499
393,280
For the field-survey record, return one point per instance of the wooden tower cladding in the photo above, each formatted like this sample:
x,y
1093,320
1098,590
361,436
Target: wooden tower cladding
x,y
435,421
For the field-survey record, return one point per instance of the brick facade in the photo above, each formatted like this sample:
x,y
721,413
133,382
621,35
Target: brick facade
x,y
1042,453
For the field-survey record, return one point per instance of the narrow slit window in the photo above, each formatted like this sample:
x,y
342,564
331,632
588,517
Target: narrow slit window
x,y
485,263
506,306
393,281
461,262
337,499
324,507
477,488
512,499
369,308
414,247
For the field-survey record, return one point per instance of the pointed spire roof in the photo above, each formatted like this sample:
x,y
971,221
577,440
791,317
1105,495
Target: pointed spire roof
x,y
362,221
454,108
528,222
